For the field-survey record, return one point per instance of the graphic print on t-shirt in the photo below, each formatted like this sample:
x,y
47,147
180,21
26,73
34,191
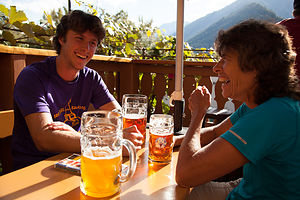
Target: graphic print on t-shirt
x,y
69,116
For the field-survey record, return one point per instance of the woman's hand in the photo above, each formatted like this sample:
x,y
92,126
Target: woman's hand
x,y
199,100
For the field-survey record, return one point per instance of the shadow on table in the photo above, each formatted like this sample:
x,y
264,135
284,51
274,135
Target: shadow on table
x,y
73,194
55,177
172,192
77,194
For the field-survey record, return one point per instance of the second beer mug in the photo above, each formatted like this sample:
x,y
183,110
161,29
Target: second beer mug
x,y
161,138
101,154
134,111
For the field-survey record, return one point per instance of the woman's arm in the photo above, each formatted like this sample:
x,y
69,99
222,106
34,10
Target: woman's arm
x,y
203,155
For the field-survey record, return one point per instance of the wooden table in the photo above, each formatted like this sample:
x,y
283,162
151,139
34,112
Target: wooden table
x,y
42,181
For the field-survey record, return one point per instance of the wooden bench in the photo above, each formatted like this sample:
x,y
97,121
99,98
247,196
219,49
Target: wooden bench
x,y
6,128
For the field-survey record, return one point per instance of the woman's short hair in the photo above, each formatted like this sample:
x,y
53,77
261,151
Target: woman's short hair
x,y
79,22
266,48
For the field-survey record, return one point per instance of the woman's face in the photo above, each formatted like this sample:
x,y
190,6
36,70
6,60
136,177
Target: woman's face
x,y
236,84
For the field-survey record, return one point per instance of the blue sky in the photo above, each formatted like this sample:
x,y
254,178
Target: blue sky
x,y
160,11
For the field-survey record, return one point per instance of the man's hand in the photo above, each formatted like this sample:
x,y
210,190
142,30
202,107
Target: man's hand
x,y
133,135
57,125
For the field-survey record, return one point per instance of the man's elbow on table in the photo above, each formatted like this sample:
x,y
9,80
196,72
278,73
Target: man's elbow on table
x,y
41,143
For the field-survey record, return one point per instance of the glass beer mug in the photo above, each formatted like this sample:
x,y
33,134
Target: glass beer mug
x,y
134,110
161,138
101,154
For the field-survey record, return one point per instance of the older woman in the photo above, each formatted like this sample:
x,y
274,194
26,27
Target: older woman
x,y
263,135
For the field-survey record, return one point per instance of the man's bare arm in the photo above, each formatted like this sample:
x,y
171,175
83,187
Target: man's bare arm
x,y
110,106
47,139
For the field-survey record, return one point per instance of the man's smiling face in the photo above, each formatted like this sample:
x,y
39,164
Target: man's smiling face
x,y
78,48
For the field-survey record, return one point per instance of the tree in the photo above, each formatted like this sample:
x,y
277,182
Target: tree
x,y
17,32
123,37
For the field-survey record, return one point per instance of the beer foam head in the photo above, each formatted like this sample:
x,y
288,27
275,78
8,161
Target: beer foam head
x,y
161,120
101,152
133,116
100,122
161,130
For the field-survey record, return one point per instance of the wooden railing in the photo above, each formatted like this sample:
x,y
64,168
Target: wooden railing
x,y
122,75
198,55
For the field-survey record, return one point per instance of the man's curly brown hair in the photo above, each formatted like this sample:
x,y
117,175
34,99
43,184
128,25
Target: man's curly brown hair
x,y
79,22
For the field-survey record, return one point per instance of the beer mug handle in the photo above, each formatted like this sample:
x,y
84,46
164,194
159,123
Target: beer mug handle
x,y
132,161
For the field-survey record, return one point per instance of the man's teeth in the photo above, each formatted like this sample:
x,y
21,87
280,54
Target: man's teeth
x,y
81,56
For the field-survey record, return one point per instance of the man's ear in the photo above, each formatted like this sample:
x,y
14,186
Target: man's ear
x,y
61,40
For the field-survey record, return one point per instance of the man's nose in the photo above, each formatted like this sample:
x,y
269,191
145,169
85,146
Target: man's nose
x,y
86,45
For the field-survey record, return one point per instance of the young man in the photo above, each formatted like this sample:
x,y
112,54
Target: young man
x,y
50,96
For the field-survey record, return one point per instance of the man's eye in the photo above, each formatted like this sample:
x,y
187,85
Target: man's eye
x,y
93,44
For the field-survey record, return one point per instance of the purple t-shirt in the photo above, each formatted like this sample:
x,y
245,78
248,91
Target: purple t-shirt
x,y
40,89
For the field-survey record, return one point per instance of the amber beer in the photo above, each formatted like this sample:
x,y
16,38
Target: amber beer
x,y
161,147
134,112
139,121
100,173
161,138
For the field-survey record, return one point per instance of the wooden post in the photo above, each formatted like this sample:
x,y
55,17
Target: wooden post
x,y
10,70
128,80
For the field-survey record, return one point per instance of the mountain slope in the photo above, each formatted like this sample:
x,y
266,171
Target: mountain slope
x,y
253,10
282,8
170,28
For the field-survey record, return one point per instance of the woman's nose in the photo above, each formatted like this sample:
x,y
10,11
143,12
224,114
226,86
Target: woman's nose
x,y
218,66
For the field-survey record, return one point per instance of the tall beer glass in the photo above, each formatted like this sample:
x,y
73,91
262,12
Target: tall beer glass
x,y
134,111
161,138
101,154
